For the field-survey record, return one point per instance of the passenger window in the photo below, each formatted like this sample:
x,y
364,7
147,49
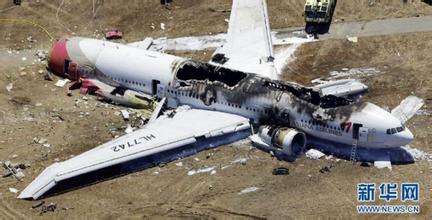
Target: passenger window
x,y
393,130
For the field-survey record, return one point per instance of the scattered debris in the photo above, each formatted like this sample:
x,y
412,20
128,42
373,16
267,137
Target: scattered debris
x,y
202,170
240,160
354,72
352,39
67,208
9,87
165,2
129,129
31,40
40,140
179,164
424,112
62,82
125,114
113,34
49,77
37,204
383,164
280,171
49,208
314,154
41,55
209,155
162,26
13,190
326,169
14,170
24,58
248,190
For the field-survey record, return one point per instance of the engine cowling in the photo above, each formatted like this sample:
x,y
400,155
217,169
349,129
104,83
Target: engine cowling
x,y
288,141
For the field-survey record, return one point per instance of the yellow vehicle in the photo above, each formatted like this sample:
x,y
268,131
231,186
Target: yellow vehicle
x,y
319,11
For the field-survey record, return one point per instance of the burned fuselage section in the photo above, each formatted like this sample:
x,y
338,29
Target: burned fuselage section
x,y
263,100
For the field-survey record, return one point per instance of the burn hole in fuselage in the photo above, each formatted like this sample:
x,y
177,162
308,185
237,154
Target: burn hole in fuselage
x,y
193,70
309,95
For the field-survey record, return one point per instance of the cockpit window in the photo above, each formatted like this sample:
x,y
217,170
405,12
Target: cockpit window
x,y
395,130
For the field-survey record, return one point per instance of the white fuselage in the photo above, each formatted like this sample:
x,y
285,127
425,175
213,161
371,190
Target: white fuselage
x,y
156,74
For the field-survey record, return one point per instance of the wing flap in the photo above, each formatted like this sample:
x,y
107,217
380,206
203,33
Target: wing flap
x,y
162,135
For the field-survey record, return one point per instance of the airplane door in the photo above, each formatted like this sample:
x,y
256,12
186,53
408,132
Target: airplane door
x,y
160,91
363,134
155,84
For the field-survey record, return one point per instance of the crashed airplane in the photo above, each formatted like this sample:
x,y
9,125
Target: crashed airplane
x,y
234,96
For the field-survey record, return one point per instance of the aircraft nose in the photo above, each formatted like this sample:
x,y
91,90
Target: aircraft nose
x,y
405,137
57,57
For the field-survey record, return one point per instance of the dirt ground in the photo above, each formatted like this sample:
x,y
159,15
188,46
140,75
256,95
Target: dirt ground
x,y
35,108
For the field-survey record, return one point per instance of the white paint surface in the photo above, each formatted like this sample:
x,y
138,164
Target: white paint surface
x,y
202,170
248,190
407,108
314,154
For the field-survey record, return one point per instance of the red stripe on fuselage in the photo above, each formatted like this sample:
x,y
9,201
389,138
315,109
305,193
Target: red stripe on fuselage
x,y
57,57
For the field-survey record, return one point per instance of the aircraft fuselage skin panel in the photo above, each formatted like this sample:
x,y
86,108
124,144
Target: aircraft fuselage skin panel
x,y
205,86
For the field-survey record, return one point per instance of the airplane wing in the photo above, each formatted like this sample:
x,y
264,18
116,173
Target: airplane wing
x,y
183,134
249,46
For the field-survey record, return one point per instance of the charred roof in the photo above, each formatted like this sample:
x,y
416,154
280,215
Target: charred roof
x,y
194,70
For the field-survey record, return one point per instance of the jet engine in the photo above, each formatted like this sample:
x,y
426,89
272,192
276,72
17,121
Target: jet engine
x,y
288,143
